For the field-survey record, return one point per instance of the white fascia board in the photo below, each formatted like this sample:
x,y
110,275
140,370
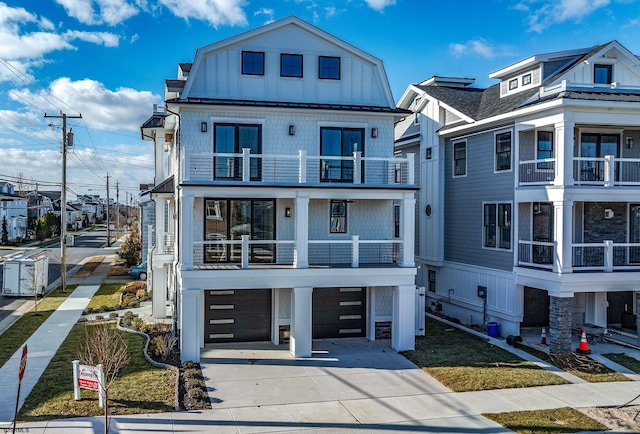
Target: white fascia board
x,y
286,192
530,61
408,96
413,90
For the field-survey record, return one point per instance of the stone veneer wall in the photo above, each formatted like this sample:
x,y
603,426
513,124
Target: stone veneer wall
x,y
560,311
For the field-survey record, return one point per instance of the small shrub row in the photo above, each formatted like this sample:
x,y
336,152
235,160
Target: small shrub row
x,y
194,384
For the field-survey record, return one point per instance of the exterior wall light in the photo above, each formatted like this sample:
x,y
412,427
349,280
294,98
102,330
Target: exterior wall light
x,y
203,127
374,133
292,130
287,212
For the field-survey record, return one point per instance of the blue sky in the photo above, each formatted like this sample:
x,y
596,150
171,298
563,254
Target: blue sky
x,y
108,59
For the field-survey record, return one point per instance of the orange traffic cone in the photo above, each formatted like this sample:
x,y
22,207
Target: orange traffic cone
x,y
584,346
543,338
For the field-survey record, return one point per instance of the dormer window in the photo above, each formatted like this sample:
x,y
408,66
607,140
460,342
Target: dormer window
x,y
513,84
602,74
526,79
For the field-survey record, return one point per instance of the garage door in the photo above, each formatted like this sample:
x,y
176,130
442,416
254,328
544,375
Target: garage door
x,y
339,312
238,315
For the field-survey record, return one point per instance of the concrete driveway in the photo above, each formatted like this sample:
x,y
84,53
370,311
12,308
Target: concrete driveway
x,y
348,384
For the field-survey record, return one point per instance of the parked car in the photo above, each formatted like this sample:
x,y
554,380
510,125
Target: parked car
x,y
139,271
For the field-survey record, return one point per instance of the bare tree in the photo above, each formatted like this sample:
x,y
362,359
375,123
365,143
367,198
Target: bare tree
x,y
35,282
21,184
104,345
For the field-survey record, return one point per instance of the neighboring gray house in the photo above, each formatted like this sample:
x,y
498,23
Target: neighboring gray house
x,y
529,192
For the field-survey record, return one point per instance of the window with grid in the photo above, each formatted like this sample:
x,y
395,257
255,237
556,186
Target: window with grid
x,y
338,220
497,226
252,63
291,65
460,159
329,67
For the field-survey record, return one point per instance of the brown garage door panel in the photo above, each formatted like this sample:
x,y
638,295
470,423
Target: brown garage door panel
x,y
339,312
238,315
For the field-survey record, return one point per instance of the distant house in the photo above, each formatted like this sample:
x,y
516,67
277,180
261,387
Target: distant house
x,y
529,207
284,215
38,204
13,210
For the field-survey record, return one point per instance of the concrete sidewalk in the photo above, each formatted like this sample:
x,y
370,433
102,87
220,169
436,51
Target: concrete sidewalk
x,y
45,341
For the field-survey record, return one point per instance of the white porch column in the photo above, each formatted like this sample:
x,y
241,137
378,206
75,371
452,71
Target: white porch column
x,y
301,215
186,228
159,204
407,229
159,300
564,153
563,227
301,334
403,322
190,321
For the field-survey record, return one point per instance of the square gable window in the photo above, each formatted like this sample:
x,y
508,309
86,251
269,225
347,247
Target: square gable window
x,y
513,84
291,65
329,67
526,79
252,63
602,74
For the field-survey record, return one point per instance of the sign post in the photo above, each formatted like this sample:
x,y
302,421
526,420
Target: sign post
x,y
88,377
23,367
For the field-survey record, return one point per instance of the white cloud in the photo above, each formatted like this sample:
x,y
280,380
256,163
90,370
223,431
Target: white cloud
x,y
111,12
100,38
215,12
101,108
380,4
479,47
545,13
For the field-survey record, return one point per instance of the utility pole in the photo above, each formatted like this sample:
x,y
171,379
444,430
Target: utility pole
x,y
117,210
63,196
108,227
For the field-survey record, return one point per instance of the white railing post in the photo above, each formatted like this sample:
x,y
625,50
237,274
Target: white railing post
x,y
357,165
608,256
410,169
186,164
302,169
246,164
609,171
355,251
186,235
245,251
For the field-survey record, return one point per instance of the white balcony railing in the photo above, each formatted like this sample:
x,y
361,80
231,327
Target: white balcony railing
x,y
538,172
606,256
607,171
300,168
337,253
536,254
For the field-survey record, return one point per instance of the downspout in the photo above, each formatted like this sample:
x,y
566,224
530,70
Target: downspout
x,y
176,292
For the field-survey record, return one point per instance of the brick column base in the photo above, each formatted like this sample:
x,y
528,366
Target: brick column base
x,y
560,325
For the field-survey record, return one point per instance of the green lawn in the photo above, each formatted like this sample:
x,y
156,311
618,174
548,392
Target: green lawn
x,y
108,295
141,387
464,362
16,335
626,361
560,420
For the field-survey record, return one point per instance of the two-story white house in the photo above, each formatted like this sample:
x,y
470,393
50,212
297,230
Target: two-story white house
x,y
281,212
13,210
529,208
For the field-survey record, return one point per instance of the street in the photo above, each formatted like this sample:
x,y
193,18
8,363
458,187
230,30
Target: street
x,y
90,243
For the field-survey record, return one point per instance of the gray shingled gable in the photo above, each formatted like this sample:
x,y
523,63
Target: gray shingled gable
x,y
467,100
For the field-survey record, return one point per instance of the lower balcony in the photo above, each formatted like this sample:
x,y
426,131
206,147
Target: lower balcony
x,y
606,256
246,253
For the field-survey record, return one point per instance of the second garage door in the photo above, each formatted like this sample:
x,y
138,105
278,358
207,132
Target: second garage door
x,y
238,315
339,312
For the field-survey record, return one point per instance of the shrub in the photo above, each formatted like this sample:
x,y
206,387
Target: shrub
x,y
113,315
131,250
134,303
189,364
194,383
127,318
137,323
197,393
133,287
99,317
141,293
191,372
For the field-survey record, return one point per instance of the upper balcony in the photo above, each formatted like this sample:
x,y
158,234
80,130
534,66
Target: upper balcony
x,y
301,169
608,171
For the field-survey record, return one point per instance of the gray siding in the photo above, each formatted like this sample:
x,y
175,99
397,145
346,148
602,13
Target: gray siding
x,y
463,205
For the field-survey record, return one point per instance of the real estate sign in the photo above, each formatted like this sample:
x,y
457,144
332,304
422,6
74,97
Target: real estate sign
x,y
87,377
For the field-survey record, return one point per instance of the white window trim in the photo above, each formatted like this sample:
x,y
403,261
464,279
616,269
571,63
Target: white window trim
x,y
553,146
453,159
497,249
495,154
614,132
